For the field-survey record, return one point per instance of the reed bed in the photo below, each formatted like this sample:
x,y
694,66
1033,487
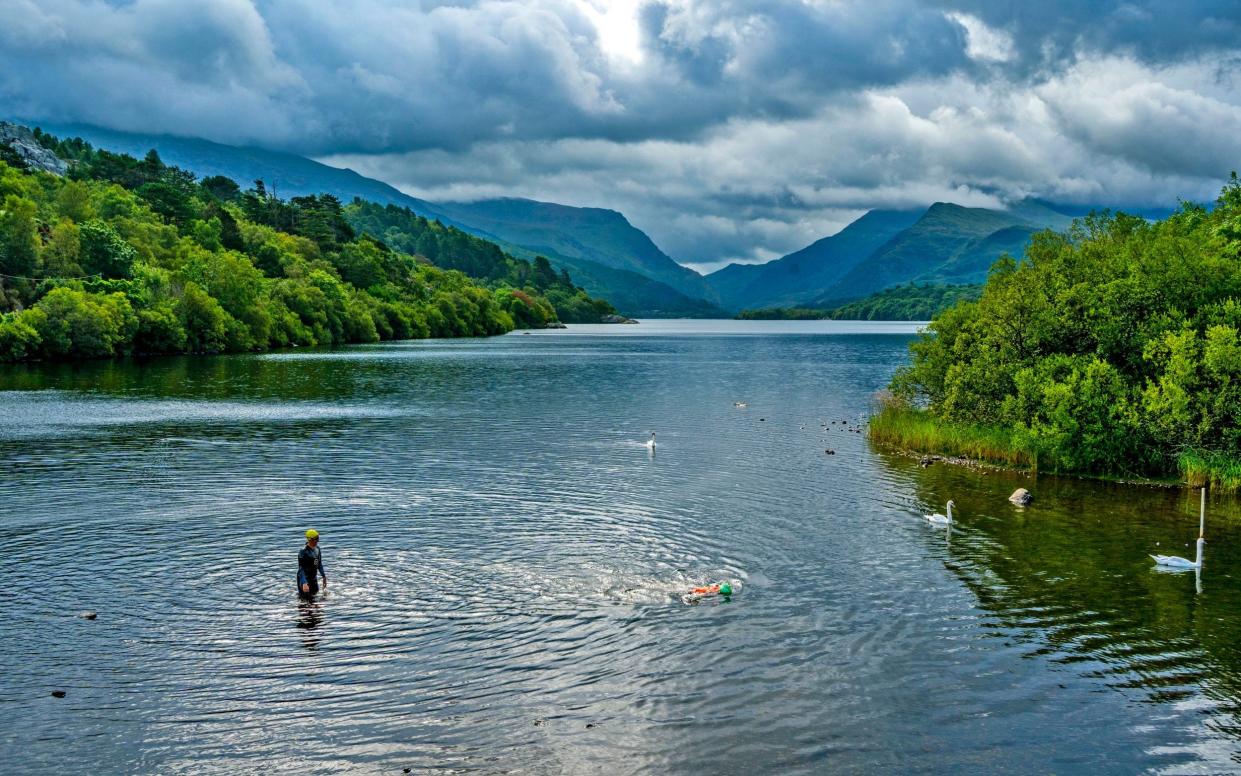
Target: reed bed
x,y
1219,472
918,431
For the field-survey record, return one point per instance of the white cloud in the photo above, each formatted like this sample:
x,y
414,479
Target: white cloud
x,y
982,42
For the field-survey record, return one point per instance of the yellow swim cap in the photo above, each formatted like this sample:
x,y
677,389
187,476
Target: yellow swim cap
x,y
312,534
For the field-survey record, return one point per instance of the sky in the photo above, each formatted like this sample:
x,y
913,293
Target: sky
x,y
727,130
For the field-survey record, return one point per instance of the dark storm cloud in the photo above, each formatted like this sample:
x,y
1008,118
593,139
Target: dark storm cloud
x,y
743,129
1155,31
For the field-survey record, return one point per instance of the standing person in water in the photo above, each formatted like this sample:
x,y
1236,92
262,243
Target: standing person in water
x,y
310,566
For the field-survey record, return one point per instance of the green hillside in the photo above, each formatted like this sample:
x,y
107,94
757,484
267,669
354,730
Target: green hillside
x,y
972,261
128,256
911,302
451,248
599,268
601,236
946,232
808,272
284,175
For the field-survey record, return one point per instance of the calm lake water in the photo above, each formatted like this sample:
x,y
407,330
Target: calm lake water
x,y
506,561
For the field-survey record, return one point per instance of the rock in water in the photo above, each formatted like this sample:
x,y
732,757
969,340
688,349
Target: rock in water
x,y
88,615
58,693
1021,497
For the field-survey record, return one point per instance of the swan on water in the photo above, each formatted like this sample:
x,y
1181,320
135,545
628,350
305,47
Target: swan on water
x,y
938,519
740,404
650,442
1176,561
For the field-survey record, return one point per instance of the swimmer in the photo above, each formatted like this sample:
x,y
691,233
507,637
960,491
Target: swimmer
x,y
721,588
310,566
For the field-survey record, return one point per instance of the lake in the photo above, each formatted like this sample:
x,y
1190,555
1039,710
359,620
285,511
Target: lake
x,y
507,560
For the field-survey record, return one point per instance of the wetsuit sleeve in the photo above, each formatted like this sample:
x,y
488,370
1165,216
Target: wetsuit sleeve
x,y
319,560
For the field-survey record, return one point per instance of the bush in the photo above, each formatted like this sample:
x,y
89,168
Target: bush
x,y
204,321
19,334
103,252
81,325
160,330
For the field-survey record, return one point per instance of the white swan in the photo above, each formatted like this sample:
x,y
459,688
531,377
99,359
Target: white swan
x,y
740,404
650,442
938,519
1176,561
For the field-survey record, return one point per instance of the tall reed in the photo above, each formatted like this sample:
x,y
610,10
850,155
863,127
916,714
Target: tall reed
x,y
900,426
1218,471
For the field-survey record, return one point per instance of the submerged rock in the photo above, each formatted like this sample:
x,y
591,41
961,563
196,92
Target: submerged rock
x,y
1021,497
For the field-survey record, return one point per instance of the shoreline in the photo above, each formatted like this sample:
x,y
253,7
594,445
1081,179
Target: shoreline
x,y
918,434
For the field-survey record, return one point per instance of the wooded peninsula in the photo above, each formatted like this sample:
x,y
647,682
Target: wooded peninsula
x,y
1112,349
127,256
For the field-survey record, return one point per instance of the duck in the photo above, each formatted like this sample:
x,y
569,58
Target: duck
x,y
938,519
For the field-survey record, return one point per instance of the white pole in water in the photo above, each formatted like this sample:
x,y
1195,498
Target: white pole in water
x,y
1202,522
1202,514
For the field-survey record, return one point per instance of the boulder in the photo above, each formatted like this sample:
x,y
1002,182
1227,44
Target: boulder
x,y
1021,497
22,141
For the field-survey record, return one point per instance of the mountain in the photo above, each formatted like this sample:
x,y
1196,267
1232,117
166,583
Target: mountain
x,y
949,243
604,237
974,259
946,243
602,251
287,175
801,274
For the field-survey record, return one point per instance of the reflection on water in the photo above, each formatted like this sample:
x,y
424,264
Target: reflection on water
x,y
509,562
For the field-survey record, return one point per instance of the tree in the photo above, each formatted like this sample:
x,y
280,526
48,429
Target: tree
x,y
19,237
103,252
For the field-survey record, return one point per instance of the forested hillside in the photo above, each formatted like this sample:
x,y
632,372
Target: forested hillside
x,y
605,254
913,302
451,248
1113,348
134,256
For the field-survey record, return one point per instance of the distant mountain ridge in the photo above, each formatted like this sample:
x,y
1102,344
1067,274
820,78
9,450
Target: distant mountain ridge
x,y
593,234
609,257
945,243
802,274
603,252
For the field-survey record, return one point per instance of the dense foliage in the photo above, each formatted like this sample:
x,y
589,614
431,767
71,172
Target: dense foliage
x,y
134,256
451,248
912,302
1113,348
782,314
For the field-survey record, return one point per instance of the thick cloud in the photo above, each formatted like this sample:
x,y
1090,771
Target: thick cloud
x,y
738,130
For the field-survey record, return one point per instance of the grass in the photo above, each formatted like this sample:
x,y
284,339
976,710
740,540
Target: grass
x,y
918,431
905,428
1220,472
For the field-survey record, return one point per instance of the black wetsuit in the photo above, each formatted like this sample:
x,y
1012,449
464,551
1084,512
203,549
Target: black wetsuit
x,y
309,569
